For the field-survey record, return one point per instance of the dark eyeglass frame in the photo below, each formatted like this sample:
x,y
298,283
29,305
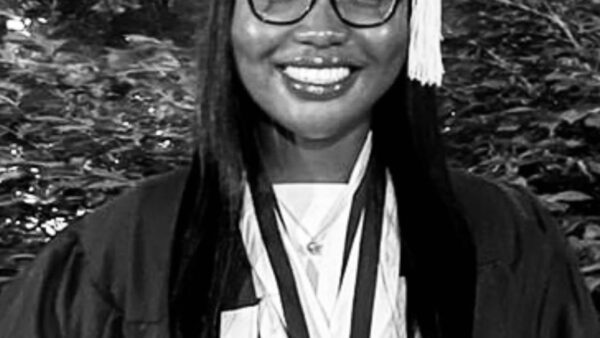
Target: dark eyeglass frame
x,y
311,5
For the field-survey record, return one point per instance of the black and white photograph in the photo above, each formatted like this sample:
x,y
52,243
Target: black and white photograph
x,y
300,168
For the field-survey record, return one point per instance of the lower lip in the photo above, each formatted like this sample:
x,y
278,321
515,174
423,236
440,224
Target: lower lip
x,y
314,92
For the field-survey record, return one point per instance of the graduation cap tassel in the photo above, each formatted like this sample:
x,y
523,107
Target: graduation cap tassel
x,y
425,51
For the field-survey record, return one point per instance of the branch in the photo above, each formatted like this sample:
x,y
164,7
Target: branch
x,y
552,17
8,100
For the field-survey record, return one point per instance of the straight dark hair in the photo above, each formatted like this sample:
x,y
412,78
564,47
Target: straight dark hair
x,y
438,255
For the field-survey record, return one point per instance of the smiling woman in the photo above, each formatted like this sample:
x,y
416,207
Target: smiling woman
x,y
318,79
318,204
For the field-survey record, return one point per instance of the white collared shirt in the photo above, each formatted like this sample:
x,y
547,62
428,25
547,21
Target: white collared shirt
x,y
306,209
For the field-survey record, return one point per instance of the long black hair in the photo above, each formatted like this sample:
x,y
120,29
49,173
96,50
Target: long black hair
x,y
438,256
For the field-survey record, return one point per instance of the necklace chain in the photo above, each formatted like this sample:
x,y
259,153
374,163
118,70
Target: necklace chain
x,y
315,245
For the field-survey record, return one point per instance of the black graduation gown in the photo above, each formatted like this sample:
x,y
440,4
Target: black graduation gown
x,y
108,275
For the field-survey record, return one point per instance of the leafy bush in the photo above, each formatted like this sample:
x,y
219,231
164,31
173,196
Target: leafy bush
x,y
79,122
522,101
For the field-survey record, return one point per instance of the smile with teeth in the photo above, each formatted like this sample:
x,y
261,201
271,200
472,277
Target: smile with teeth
x,y
317,76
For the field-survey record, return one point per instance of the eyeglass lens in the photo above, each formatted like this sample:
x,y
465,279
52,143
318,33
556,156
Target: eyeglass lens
x,y
358,12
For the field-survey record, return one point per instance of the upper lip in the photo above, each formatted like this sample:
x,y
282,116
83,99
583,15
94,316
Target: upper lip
x,y
320,61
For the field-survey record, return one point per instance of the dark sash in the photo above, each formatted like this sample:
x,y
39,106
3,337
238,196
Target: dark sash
x,y
369,197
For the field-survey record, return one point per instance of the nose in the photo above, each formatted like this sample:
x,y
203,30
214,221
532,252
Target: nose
x,y
322,27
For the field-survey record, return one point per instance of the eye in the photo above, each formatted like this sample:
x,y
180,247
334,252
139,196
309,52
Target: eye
x,y
266,4
369,2
363,3
279,6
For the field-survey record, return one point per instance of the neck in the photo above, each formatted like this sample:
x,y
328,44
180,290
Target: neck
x,y
291,159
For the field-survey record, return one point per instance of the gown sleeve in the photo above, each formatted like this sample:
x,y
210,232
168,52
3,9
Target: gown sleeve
x,y
56,297
566,309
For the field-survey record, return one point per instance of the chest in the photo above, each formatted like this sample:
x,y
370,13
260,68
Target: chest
x,y
492,320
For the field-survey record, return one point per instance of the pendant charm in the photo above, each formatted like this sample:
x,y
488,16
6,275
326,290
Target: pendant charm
x,y
314,248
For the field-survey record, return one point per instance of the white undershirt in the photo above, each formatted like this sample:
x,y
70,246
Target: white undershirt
x,y
306,209
322,210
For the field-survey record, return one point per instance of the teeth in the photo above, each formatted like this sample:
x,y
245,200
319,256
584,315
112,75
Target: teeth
x,y
318,76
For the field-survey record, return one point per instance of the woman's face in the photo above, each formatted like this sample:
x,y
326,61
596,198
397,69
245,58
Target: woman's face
x,y
318,78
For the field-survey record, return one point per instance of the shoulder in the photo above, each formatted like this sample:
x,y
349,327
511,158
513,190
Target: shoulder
x,y
108,269
526,270
508,223
140,213
151,200
480,196
127,242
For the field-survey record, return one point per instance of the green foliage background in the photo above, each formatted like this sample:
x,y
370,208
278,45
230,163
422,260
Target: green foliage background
x,y
521,101
97,94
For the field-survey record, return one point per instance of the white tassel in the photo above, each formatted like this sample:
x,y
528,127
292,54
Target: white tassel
x,y
425,50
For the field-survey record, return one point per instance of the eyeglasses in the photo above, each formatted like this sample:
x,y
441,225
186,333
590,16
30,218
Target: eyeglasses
x,y
356,13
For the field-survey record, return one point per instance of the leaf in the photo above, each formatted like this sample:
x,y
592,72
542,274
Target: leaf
x,y
573,143
494,84
520,180
573,115
593,121
508,128
566,196
592,231
115,6
142,39
592,282
555,206
556,76
11,175
72,128
594,167
518,110
49,118
109,185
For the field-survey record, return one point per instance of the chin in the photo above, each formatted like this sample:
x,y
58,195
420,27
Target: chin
x,y
324,131
316,120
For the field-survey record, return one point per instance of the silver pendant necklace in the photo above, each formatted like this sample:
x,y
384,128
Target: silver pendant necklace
x,y
315,244
314,247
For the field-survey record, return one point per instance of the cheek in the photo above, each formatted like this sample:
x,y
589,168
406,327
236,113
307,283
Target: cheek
x,y
250,42
387,49
388,45
253,44
243,38
391,45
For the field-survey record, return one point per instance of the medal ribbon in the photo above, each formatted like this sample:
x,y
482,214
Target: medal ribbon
x,y
369,196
